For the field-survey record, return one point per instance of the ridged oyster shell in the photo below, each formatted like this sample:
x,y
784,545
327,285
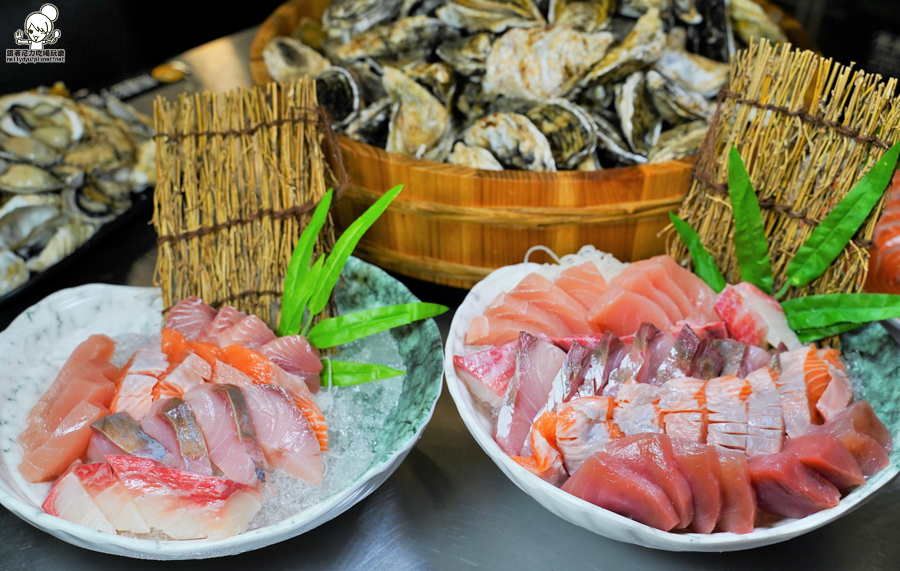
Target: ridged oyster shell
x,y
682,141
514,140
582,15
474,157
491,15
13,272
643,46
569,130
420,124
288,60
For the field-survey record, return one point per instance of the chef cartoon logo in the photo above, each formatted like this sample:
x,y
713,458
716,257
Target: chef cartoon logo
x,y
39,32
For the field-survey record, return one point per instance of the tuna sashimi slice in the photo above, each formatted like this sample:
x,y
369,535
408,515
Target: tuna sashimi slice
x,y
543,294
606,482
496,331
738,498
487,374
545,461
662,282
294,354
787,488
700,466
583,282
249,332
112,497
651,456
867,452
637,282
701,296
190,317
225,318
287,440
67,443
69,500
865,421
824,454
583,427
537,363
623,312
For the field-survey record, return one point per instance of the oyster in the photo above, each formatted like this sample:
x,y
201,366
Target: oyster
x,y
310,33
29,150
682,141
491,15
23,219
640,123
542,63
339,94
92,154
344,19
13,272
474,157
687,12
28,179
400,42
420,7
643,46
131,121
22,113
582,15
676,104
89,204
713,36
468,55
3,166
367,74
569,130
288,59
472,102
637,8
611,143
751,21
589,163
437,77
54,136
371,127
514,140
65,240
420,124
691,71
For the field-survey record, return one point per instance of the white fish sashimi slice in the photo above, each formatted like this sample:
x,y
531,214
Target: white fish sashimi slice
x,y
190,317
226,317
112,497
250,332
487,374
294,354
69,500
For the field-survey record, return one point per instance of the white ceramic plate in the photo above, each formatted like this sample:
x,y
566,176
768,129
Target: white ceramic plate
x,y
37,343
587,515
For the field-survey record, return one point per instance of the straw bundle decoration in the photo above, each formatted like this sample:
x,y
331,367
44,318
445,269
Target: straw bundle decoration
x,y
808,130
239,174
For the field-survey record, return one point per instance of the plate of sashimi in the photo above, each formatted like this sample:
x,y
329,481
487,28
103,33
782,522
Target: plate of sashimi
x,y
203,434
634,401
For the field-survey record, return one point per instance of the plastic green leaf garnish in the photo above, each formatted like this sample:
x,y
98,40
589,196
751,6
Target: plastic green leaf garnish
x,y
346,373
353,326
818,311
704,264
750,243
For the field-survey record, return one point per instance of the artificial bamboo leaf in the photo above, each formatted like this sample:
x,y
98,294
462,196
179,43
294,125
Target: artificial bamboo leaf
x,y
298,267
704,264
347,373
353,326
807,335
749,232
816,311
343,248
303,296
831,236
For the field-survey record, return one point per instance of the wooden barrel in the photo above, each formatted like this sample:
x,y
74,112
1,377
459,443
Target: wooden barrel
x,y
454,225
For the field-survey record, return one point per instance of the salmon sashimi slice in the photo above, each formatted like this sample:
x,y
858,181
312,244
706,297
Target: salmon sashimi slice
x,y
605,358
190,317
825,454
884,261
791,385
699,465
677,361
785,487
765,421
545,461
606,482
837,396
866,421
496,331
135,395
543,294
510,308
220,431
623,312
583,282
487,373
67,443
287,440
738,512
160,429
636,411
69,500
583,427
570,377
189,436
187,374
294,354
174,346
707,362
869,454
112,497
816,374
250,332
651,456
637,282
225,318
701,296
537,364
125,433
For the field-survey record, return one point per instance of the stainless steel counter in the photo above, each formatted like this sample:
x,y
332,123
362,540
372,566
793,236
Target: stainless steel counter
x,y
447,506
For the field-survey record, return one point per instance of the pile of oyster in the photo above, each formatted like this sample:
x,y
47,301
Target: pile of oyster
x,y
523,84
66,168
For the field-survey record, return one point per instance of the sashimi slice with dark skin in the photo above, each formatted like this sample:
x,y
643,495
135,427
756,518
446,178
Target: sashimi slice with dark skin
x,y
732,354
657,352
487,374
246,432
677,362
570,377
537,363
738,498
825,454
707,362
754,359
190,317
700,466
127,434
787,488
191,442
608,483
633,361
605,358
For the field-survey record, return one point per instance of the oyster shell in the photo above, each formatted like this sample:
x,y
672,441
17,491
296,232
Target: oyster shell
x,y
13,272
396,43
682,141
420,124
90,204
65,240
691,71
589,163
640,123
676,104
367,74
28,149
637,8
24,217
474,157
491,15
21,113
92,154
713,37
371,127
437,77
472,102
28,179
569,130
288,59
337,91
310,33
468,55
751,21
687,12
514,140
54,136
542,63
612,145
582,15
643,46
344,19
420,7
131,121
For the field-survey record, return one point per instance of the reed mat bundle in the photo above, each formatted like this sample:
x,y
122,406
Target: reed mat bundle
x,y
808,130
239,174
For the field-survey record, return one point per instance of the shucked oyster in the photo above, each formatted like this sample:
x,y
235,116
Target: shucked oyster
x,y
420,124
64,241
569,130
643,46
674,103
691,71
400,42
28,179
13,272
682,141
491,15
468,56
474,157
582,15
640,123
542,63
288,59
514,140
344,19
24,217
751,21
